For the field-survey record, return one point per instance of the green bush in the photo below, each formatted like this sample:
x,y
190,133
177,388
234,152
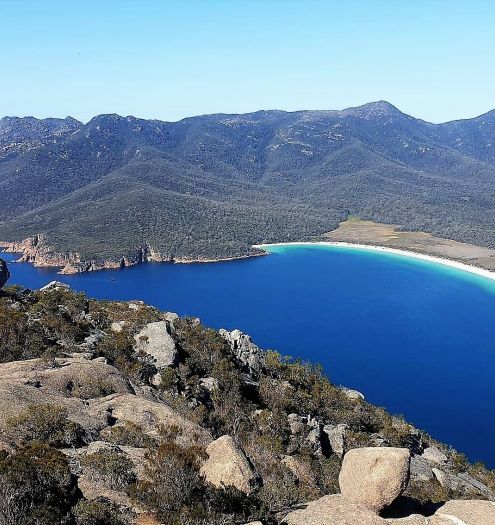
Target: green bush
x,y
36,486
129,434
110,468
45,423
98,512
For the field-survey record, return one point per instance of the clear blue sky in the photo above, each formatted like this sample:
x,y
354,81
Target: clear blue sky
x,y
433,59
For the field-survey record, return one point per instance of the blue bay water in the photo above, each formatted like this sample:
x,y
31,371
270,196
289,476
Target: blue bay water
x,y
415,337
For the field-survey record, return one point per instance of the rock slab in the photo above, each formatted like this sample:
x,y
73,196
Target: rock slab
x,y
155,340
374,477
333,510
465,512
228,466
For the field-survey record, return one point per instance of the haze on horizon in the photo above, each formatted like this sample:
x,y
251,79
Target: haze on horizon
x,y
173,59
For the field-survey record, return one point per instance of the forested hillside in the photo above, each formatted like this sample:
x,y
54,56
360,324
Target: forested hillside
x,y
211,186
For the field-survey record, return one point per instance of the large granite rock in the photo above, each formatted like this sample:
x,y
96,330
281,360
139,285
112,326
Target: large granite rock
x,y
354,395
4,273
155,340
150,415
333,510
228,466
249,356
374,477
73,384
300,469
336,437
54,285
465,512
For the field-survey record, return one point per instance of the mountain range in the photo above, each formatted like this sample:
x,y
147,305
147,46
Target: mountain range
x,y
122,189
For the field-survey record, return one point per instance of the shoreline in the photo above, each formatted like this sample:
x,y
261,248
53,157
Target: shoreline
x,y
72,269
445,261
452,263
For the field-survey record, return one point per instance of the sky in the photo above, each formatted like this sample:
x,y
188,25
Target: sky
x,y
169,59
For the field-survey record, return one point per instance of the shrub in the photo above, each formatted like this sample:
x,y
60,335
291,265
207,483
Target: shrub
x,y
168,379
99,512
46,423
110,468
203,347
18,339
174,478
92,388
36,486
128,434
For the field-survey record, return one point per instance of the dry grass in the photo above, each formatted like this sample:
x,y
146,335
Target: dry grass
x,y
367,232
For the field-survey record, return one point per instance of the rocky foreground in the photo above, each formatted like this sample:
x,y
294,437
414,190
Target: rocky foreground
x,y
117,413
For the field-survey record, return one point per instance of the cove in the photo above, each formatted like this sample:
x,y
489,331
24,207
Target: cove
x,y
414,336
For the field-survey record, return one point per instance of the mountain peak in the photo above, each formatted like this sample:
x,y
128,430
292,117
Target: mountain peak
x,y
380,108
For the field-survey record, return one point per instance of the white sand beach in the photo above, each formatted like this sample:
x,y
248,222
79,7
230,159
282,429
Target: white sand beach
x,y
439,260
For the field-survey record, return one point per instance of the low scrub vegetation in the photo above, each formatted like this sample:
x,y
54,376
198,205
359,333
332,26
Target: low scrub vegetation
x,y
157,467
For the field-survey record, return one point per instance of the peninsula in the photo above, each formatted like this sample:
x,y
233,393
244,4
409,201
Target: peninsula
x,y
121,190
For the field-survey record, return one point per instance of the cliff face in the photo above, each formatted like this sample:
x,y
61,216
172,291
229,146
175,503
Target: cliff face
x,y
37,251
147,416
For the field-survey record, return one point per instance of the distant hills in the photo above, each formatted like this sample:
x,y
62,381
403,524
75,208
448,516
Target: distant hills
x,y
211,186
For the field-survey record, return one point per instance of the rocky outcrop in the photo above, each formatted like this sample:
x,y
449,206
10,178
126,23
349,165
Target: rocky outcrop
x,y
336,437
228,466
354,395
54,285
434,455
150,416
249,356
155,340
461,482
465,512
94,487
37,250
333,510
374,477
300,469
420,469
94,394
4,273
370,480
71,384
307,432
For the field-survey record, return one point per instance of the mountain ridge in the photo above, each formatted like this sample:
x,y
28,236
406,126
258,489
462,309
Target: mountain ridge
x,y
209,187
382,103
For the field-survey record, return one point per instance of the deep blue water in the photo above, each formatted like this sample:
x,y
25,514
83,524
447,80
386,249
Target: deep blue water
x,y
413,336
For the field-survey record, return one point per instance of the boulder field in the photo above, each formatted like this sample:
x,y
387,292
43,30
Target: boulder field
x,y
370,480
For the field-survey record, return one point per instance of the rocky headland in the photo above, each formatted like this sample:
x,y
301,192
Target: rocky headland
x,y
37,251
117,413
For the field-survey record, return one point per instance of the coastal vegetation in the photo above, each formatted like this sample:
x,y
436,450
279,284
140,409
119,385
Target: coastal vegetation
x,y
119,436
118,190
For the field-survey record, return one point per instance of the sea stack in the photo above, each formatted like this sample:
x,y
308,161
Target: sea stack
x,y
4,273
